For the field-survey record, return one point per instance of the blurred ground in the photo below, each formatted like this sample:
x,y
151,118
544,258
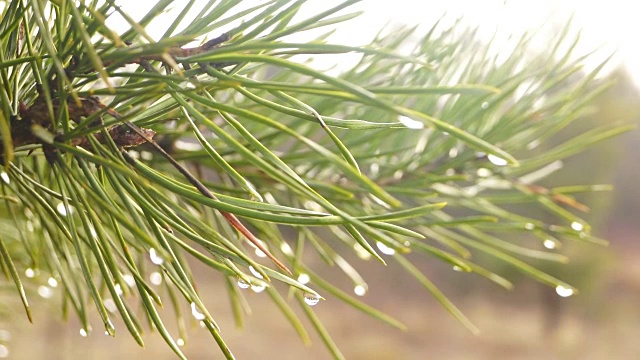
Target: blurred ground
x,y
531,322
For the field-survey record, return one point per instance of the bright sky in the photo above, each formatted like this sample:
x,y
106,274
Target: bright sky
x,y
610,26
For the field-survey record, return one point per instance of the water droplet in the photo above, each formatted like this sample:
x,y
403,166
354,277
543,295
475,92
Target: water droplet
x,y
5,177
134,154
155,278
187,145
146,155
534,144
45,292
110,330
577,226
385,249
93,232
303,278
286,249
529,226
457,268
484,105
498,161
196,312
379,201
410,123
471,191
258,288
180,342
52,282
360,290
153,255
374,168
4,351
259,253
563,291
129,279
242,284
63,210
110,305
255,272
83,333
549,244
483,172
361,252
311,299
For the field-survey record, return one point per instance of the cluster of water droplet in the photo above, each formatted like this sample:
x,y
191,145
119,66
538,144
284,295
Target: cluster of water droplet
x,y
46,290
255,287
258,287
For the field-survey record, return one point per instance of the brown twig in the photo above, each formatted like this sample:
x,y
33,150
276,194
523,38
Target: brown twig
x,y
37,114
556,198
177,51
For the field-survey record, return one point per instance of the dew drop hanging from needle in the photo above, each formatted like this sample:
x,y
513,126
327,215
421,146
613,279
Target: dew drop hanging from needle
x,y
242,284
311,299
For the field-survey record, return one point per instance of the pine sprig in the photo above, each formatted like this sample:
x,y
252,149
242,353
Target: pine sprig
x,y
419,152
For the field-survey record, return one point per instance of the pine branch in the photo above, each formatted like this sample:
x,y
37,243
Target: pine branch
x,y
431,151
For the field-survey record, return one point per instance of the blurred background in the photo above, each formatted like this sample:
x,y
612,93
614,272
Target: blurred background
x,y
530,322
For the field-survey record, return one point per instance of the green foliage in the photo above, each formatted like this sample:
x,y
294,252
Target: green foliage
x,y
401,153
